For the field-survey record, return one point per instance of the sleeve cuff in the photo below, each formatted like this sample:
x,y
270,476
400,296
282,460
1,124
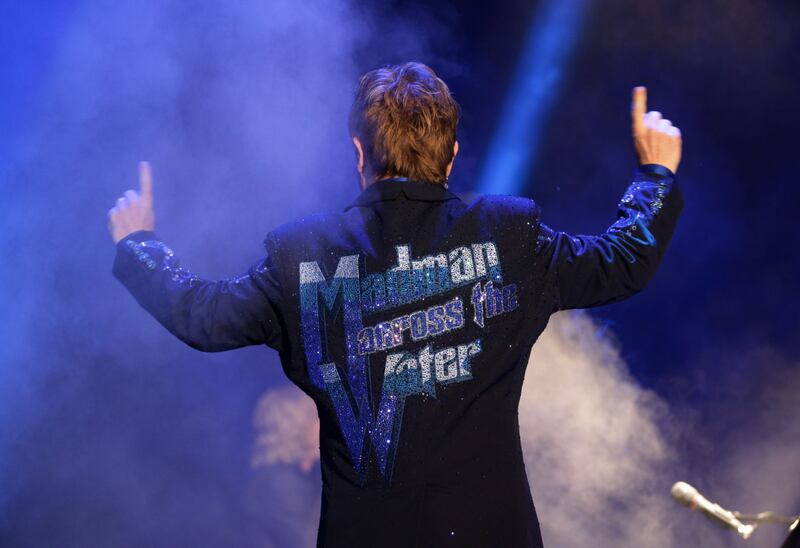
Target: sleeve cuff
x,y
137,236
656,169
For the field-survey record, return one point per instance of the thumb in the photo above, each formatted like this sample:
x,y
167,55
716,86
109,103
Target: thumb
x,y
638,108
146,182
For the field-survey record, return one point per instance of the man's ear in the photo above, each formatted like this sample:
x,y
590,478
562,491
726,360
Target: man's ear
x,y
455,153
360,153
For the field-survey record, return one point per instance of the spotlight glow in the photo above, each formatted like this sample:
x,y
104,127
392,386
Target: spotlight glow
x,y
550,41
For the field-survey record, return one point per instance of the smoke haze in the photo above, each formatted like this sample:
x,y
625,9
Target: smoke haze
x,y
602,452
113,433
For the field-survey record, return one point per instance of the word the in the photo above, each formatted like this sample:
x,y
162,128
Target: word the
x,y
490,301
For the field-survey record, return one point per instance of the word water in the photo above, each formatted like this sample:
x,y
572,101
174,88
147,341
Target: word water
x,y
407,373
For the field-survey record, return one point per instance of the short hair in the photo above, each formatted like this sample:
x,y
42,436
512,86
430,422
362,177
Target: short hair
x,y
406,118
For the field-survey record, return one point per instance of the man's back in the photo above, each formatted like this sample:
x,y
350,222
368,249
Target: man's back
x,y
414,336
408,318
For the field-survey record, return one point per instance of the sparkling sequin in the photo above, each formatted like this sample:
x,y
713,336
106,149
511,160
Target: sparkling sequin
x,y
462,267
154,254
412,280
348,295
318,300
408,374
419,325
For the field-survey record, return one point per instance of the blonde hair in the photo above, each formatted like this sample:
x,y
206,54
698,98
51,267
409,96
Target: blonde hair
x,y
406,118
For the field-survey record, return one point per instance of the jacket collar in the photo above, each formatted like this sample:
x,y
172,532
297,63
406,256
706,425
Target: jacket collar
x,y
391,189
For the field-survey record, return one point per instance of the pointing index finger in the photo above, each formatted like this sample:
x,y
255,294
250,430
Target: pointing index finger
x,y
146,182
638,108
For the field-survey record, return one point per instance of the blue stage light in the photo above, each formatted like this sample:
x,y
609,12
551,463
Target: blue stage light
x,y
513,148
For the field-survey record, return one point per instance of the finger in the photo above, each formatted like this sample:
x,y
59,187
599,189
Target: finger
x,y
121,203
651,119
675,132
664,125
146,182
638,108
111,212
131,196
653,115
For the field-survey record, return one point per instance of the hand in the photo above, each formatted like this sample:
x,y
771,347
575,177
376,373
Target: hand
x,y
656,140
134,210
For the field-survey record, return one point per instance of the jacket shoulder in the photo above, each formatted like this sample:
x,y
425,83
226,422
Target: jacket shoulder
x,y
501,206
303,229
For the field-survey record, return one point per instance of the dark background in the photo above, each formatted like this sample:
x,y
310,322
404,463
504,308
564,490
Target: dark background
x,y
112,432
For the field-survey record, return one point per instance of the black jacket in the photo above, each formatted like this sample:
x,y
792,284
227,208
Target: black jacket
x,y
409,318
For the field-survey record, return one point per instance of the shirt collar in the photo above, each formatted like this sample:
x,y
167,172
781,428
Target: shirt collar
x,y
391,189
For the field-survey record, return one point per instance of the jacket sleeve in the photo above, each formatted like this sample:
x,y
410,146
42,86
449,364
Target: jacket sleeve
x,y
596,270
211,316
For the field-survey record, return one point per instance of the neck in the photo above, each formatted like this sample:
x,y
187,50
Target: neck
x,y
367,181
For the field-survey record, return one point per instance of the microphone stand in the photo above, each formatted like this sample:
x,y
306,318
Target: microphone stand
x,y
767,517
743,524
793,541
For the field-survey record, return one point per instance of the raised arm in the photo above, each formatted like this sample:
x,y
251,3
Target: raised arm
x,y
596,270
207,315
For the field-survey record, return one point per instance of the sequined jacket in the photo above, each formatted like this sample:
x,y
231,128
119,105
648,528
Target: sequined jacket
x,y
409,318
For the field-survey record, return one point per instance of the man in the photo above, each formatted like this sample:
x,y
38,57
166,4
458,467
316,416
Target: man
x,y
409,316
